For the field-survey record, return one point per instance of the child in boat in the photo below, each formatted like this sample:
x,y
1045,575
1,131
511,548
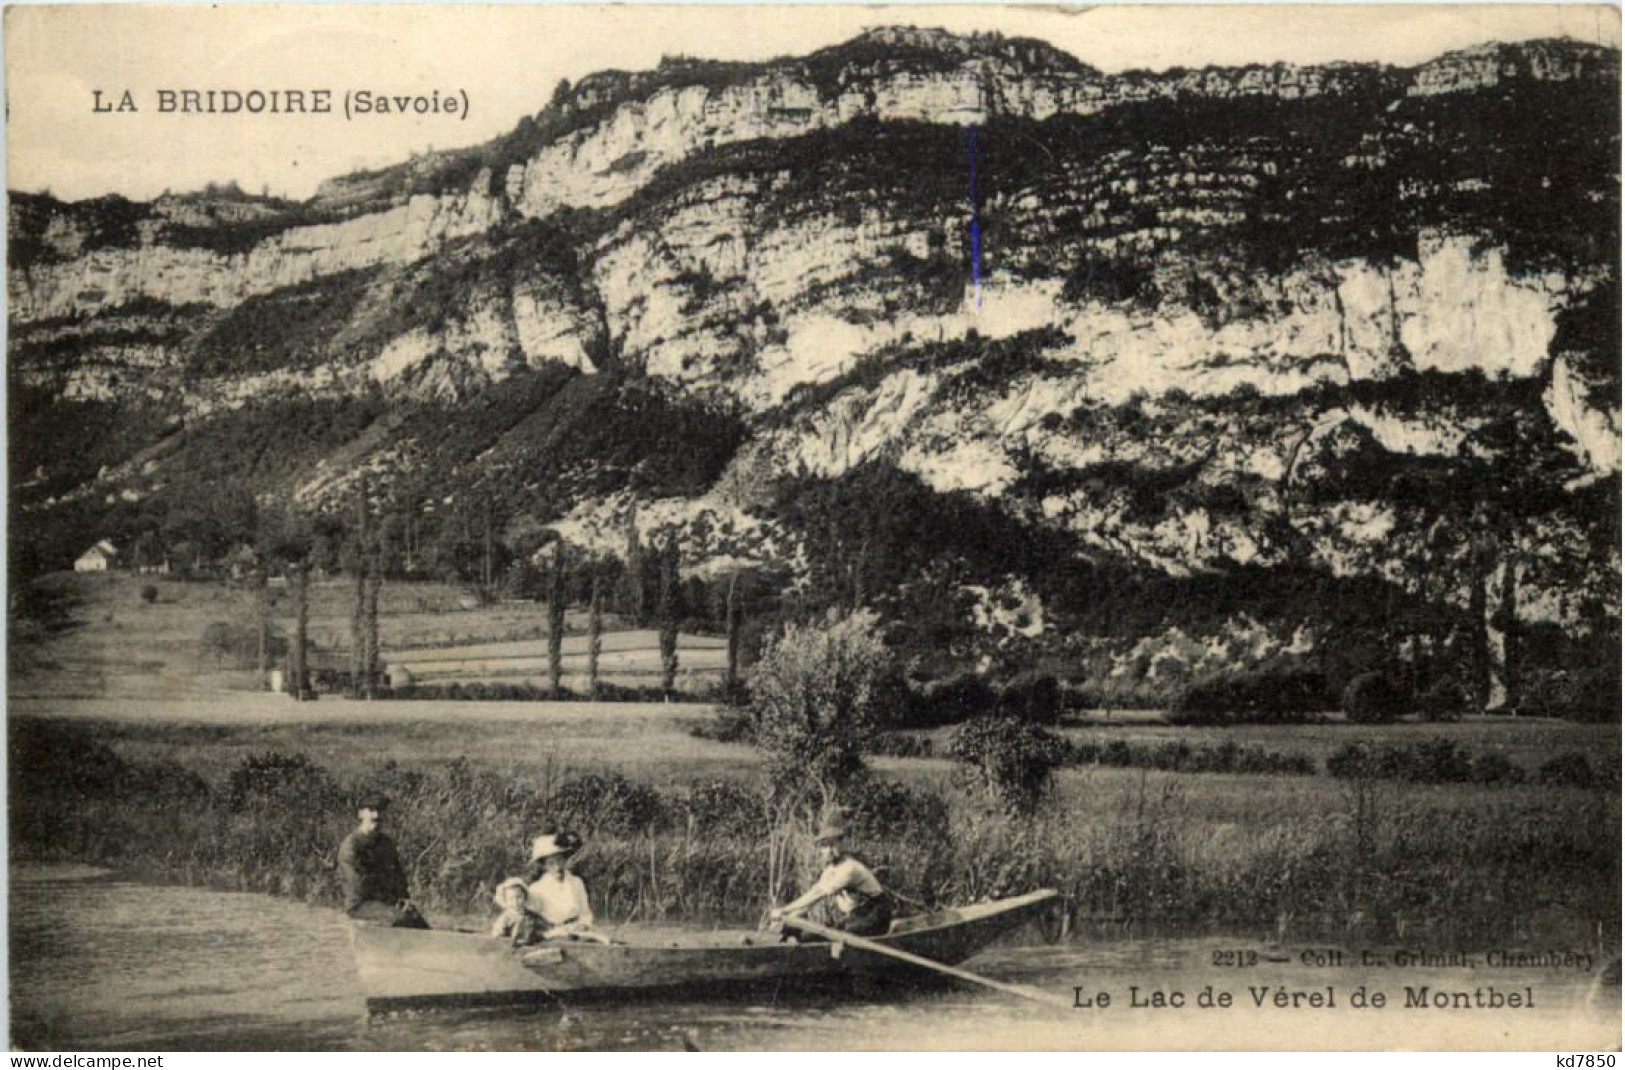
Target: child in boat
x,y
863,906
519,925
555,893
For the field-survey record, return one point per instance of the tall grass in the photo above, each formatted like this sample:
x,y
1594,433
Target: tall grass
x,y
1308,857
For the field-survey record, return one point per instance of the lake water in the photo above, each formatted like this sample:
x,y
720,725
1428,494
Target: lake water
x,y
98,963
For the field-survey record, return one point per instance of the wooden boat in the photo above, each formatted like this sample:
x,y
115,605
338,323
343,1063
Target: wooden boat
x,y
402,968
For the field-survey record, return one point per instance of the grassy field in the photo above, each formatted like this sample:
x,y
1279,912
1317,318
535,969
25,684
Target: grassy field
x,y
1312,856
99,638
237,789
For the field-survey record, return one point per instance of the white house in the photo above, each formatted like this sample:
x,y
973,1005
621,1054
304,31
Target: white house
x,y
99,558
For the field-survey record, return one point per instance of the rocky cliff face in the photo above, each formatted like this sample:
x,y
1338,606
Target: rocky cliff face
x,y
1188,323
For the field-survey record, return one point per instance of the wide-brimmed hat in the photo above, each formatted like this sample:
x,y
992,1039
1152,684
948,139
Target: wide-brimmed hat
x,y
829,832
372,800
511,882
546,846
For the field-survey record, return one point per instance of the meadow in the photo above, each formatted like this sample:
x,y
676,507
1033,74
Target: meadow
x,y
130,748
677,828
94,635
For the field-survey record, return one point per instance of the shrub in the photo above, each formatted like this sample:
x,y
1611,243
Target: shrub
x,y
1443,701
1373,698
813,695
1569,770
1010,761
724,808
1031,696
956,699
276,780
728,726
230,644
1180,756
1273,696
876,809
1589,694
1437,761
1495,769
899,745
608,803
149,593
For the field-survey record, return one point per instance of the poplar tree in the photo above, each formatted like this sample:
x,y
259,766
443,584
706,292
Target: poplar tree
x,y
634,592
734,623
358,607
369,631
669,597
595,636
555,620
301,626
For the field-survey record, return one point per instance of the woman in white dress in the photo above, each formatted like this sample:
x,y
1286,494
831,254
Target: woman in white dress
x,y
557,894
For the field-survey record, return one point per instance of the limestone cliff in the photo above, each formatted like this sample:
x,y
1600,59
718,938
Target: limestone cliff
x,y
1339,321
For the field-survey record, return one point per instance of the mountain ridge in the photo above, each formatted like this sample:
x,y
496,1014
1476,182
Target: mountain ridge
x,y
1225,330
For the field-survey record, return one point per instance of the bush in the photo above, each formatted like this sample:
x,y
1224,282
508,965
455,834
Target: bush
x,y
954,700
233,645
899,745
877,808
1443,701
1496,769
276,780
1440,761
608,803
1010,761
814,695
1031,696
1272,696
1180,756
1570,770
1590,694
1373,698
149,593
728,726
724,808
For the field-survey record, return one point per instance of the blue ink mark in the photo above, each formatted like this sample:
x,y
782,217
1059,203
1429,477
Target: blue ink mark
x,y
975,220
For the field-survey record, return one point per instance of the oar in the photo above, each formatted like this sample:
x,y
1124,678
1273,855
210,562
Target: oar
x,y
835,935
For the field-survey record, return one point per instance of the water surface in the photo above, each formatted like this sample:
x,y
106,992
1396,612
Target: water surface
x,y
99,963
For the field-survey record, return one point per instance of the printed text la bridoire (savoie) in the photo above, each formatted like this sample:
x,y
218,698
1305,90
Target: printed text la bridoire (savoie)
x,y
350,103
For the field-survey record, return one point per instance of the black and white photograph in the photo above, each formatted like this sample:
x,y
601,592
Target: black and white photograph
x,y
797,528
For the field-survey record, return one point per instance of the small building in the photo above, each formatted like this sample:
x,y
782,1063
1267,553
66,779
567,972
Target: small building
x,y
99,558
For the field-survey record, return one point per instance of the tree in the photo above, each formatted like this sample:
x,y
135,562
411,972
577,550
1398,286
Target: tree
x,y
225,642
298,682
670,610
735,625
557,586
356,552
814,698
632,600
369,629
262,593
595,637
814,695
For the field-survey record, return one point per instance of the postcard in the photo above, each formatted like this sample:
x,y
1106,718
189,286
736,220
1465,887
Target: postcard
x,y
813,528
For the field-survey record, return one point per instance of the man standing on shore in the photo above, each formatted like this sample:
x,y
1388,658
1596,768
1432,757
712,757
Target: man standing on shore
x,y
370,868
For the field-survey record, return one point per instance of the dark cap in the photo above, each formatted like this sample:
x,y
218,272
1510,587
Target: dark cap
x,y
372,800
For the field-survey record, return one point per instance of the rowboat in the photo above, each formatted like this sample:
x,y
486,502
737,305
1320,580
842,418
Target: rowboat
x,y
410,968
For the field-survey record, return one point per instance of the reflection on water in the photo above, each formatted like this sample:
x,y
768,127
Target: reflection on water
x,y
98,963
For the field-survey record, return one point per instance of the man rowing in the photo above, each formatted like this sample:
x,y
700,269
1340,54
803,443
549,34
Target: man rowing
x,y
864,908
